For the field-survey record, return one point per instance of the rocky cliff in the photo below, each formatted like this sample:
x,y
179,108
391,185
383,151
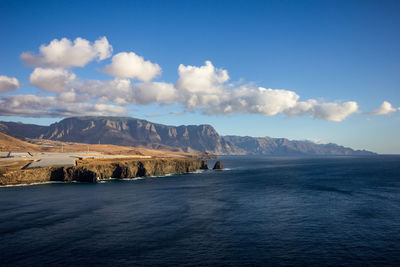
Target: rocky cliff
x,y
93,170
22,130
127,131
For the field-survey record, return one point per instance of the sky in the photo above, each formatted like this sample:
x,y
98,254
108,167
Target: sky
x,y
326,71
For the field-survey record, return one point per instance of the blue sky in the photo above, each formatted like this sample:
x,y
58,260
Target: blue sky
x,y
329,52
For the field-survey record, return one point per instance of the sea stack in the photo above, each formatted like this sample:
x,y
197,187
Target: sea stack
x,y
204,165
218,166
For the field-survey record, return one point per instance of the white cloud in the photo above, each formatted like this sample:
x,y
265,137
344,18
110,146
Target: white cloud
x,y
68,96
145,93
109,88
8,83
334,111
130,65
199,88
301,108
51,80
326,111
205,88
64,53
263,101
204,79
41,106
385,109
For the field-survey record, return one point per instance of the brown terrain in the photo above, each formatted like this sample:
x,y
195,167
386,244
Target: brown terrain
x,y
127,131
12,170
124,131
93,171
8,143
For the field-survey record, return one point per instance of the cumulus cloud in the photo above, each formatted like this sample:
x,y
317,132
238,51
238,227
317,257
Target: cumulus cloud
x,y
385,109
69,97
205,88
64,53
198,88
327,111
334,111
118,91
51,80
8,83
145,93
49,106
204,79
130,65
260,100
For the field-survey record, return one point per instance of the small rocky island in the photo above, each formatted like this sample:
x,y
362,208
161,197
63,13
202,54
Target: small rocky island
x,y
218,166
204,165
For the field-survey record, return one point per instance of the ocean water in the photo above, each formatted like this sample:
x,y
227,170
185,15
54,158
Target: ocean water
x,y
261,211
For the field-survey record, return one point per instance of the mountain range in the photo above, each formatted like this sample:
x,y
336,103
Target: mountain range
x,y
127,131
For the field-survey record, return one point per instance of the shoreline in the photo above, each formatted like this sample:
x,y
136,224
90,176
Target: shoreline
x,y
95,170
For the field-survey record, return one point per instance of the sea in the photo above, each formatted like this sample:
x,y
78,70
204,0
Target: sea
x,y
259,211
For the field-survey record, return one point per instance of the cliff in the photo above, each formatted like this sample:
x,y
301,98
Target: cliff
x,y
126,131
92,170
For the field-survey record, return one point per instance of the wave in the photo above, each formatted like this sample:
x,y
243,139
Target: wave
x,y
106,180
32,184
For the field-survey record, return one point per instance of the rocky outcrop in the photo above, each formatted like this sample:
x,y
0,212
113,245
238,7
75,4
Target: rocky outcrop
x,y
218,166
204,165
92,171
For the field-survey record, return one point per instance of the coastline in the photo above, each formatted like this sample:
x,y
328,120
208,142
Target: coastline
x,y
95,170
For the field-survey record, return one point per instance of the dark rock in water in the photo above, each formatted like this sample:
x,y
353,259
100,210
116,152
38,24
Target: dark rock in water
x,y
218,166
204,165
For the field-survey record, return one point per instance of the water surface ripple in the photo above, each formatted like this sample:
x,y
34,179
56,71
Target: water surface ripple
x,y
262,211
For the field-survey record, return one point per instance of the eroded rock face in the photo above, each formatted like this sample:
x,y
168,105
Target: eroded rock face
x,y
92,172
126,131
218,166
204,165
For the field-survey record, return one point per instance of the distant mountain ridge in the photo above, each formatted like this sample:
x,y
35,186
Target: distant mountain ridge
x,y
285,147
129,131
125,131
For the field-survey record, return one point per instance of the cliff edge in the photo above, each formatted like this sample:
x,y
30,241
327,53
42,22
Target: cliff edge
x,y
94,170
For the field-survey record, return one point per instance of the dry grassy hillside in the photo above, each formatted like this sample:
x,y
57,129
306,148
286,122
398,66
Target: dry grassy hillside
x,y
8,143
